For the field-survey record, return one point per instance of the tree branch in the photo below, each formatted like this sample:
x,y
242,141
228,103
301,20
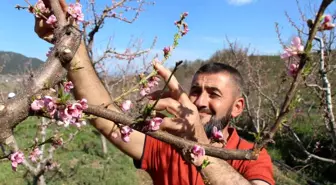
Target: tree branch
x,y
178,142
268,137
16,110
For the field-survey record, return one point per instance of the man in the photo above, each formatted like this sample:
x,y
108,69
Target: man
x,y
215,97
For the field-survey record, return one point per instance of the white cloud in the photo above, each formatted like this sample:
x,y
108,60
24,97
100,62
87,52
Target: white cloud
x,y
239,2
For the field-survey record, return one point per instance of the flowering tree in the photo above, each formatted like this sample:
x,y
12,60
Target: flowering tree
x,y
49,96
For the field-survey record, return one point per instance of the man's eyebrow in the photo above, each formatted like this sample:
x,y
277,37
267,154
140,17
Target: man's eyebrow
x,y
196,85
213,89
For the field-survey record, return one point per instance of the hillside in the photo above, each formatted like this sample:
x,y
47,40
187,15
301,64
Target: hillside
x,y
15,63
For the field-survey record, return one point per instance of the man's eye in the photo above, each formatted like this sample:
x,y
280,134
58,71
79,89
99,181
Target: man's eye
x,y
194,92
214,95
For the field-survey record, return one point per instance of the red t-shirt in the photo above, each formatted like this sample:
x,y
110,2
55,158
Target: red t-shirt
x,y
167,167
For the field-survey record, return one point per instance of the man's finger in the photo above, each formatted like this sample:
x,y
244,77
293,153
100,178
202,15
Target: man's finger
x,y
170,105
175,88
174,126
157,95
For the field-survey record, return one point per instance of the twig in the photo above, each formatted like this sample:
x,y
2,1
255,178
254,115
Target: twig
x,y
310,155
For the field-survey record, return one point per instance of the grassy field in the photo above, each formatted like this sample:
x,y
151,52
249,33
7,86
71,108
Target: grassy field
x,y
81,161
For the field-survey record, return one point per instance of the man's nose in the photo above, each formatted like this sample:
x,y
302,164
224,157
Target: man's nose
x,y
201,101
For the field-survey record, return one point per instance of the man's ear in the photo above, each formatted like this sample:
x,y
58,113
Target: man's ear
x,y
238,107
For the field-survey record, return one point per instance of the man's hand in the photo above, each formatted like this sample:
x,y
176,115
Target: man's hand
x,y
186,120
42,29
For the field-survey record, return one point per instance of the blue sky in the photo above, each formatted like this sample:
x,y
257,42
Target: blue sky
x,y
250,22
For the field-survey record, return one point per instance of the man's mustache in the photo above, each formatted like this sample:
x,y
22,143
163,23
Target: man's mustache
x,y
205,110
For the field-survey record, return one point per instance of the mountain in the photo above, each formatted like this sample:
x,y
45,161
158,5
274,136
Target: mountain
x,y
15,63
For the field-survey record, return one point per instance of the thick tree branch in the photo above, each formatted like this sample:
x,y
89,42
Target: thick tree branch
x,y
16,110
177,142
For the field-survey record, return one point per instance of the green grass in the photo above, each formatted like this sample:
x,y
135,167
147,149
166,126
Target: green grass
x,y
81,161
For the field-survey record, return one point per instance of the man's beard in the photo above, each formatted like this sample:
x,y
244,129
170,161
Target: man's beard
x,y
220,123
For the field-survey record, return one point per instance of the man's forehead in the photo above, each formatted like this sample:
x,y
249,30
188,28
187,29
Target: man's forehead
x,y
214,80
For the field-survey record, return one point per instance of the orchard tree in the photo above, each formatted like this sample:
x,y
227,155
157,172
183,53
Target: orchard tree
x,y
49,94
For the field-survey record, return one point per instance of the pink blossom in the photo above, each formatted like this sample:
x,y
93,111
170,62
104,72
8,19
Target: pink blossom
x,y
64,119
154,123
144,91
198,151
125,133
16,158
185,14
327,24
73,110
185,29
72,114
51,20
75,10
84,104
40,8
217,134
154,81
68,86
166,50
50,105
327,18
126,105
37,105
295,48
293,69
35,154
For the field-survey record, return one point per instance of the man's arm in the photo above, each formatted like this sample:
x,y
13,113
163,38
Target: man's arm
x,y
219,172
88,85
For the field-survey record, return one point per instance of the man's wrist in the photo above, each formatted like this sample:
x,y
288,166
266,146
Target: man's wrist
x,y
204,164
200,134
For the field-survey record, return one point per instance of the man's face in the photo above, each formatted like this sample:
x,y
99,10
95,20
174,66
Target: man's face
x,y
213,94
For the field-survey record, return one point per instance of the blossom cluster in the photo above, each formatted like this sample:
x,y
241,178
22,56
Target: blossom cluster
x,y
292,56
180,23
66,113
327,23
146,87
74,10
16,159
